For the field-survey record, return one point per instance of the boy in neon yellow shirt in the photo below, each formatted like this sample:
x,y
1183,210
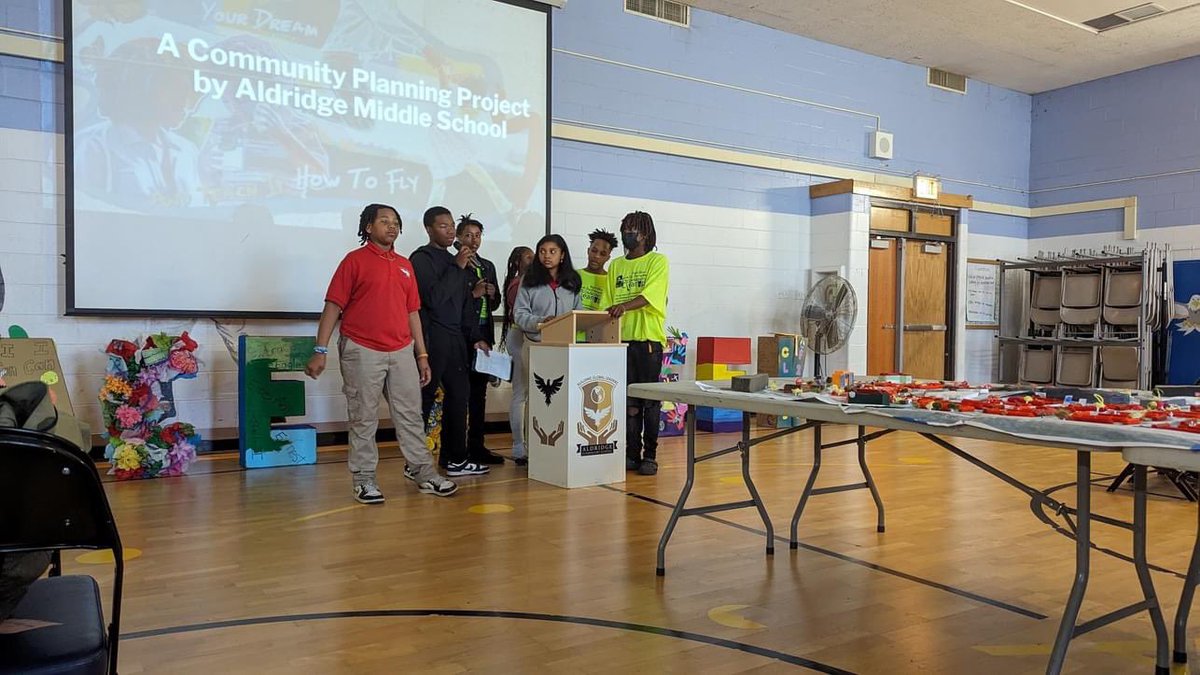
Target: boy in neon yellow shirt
x,y
637,287
594,293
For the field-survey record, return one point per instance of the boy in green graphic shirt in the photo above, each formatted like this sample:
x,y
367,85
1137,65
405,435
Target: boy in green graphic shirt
x,y
637,289
594,293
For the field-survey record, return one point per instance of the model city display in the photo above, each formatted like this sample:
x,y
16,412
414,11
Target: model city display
x,y
1095,406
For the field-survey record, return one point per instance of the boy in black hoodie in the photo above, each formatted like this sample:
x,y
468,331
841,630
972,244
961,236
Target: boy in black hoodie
x,y
451,331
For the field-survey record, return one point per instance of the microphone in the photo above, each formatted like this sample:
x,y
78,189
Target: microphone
x,y
474,260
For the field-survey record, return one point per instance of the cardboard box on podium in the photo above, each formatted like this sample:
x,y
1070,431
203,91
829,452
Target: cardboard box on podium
x,y
576,425
582,327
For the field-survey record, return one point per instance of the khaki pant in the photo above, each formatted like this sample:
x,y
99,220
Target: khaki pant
x,y
368,376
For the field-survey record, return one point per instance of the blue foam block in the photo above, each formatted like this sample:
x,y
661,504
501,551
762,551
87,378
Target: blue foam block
x,y
718,415
718,427
301,448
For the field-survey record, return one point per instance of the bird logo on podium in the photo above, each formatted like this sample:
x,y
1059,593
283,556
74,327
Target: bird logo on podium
x,y
548,388
599,419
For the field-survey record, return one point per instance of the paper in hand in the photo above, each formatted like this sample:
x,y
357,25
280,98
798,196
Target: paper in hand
x,y
494,364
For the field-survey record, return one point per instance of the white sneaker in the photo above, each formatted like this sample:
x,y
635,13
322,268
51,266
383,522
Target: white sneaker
x,y
368,493
466,468
440,487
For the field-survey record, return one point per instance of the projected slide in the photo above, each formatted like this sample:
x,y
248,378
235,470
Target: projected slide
x,y
221,150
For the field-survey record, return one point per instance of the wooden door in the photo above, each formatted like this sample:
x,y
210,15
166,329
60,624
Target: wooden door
x,y
882,281
926,271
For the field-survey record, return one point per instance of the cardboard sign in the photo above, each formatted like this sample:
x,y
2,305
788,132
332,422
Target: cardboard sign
x,y
35,359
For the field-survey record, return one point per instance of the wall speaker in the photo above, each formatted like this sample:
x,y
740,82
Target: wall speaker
x,y
881,145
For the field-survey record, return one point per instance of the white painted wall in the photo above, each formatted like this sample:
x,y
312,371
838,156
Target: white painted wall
x,y
733,272
841,242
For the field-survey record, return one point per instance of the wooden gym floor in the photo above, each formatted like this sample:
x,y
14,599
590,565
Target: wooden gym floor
x,y
280,571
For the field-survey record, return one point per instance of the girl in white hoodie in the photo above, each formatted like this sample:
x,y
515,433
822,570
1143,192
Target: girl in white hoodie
x,y
550,288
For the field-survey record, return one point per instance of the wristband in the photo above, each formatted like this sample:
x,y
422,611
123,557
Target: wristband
x,y
320,350
422,356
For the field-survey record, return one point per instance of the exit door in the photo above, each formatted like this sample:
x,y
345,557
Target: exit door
x,y
926,269
908,296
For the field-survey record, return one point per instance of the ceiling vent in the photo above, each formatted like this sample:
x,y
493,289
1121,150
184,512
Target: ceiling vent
x,y
1140,12
1125,16
664,10
944,79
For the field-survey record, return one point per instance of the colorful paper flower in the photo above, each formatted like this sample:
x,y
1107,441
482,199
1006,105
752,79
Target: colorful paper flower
x,y
183,361
176,432
180,456
142,397
128,416
148,376
127,457
133,403
114,386
187,342
122,349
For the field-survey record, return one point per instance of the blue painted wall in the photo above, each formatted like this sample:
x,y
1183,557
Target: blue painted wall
x,y
999,225
31,94
972,141
583,167
32,16
1133,134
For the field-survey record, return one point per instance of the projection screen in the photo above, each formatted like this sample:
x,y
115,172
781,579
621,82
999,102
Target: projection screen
x,y
220,151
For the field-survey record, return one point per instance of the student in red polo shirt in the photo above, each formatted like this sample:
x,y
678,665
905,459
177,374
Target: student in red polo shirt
x,y
381,351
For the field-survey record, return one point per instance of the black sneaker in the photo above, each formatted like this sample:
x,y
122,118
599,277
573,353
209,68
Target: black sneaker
x,y
410,473
648,467
466,468
521,461
487,457
368,493
632,464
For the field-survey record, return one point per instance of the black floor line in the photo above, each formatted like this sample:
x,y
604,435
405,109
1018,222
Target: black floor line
x,y
497,614
856,561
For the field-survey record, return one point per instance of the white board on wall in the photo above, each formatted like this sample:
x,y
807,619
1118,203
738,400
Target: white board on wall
x,y
983,293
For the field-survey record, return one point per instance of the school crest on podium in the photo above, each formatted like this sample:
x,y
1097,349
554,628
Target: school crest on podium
x,y
599,419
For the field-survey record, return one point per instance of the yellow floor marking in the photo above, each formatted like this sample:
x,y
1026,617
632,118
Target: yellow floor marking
x,y
491,508
727,615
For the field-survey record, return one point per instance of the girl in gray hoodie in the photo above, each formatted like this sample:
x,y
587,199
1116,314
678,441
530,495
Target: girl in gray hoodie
x,y
550,288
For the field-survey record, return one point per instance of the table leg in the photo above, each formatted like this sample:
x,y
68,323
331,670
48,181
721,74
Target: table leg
x,y
1162,660
758,502
794,542
690,421
1083,539
1185,599
862,463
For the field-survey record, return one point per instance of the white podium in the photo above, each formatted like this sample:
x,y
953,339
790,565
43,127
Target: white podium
x,y
575,432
